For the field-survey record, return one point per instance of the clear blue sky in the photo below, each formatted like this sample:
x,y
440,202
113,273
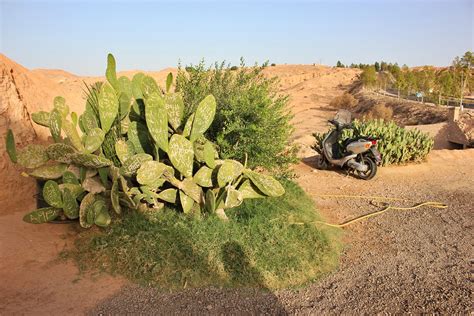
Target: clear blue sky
x,y
150,35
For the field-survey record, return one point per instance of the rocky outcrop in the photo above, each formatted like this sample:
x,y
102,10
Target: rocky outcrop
x,y
14,114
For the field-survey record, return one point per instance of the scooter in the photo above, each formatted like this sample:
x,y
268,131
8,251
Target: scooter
x,y
359,155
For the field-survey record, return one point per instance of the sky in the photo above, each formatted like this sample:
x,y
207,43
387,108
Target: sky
x,y
151,35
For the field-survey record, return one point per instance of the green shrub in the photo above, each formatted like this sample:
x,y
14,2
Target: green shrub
x,y
251,118
396,144
258,247
234,68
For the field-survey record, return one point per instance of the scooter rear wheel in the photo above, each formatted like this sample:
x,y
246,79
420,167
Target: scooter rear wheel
x,y
371,171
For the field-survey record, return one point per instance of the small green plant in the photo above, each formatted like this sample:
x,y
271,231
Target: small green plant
x,y
396,144
134,151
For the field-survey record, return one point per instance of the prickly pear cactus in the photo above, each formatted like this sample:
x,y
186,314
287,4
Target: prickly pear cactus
x,y
132,153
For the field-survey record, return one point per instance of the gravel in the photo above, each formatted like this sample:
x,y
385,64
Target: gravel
x,y
416,261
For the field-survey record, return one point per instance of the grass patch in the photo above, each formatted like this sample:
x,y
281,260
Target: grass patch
x,y
257,247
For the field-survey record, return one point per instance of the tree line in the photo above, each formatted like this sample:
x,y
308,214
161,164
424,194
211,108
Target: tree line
x,y
433,84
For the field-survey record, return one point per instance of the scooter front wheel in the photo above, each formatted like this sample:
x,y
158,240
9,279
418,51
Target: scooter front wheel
x,y
322,163
371,170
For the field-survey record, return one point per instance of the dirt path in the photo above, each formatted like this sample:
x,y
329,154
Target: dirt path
x,y
33,278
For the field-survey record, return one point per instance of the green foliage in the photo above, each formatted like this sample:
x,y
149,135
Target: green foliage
x,y
151,164
397,145
258,247
247,108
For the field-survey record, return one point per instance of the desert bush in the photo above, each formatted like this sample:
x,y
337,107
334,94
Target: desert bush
x,y
345,101
251,117
234,68
273,65
379,111
396,144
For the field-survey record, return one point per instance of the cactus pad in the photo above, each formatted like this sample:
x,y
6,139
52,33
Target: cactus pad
x,y
123,150
110,72
131,166
268,185
169,81
139,136
249,191
55,123
175,108
94,139
85,208
204,177
203,117
42,215
149,86
11,147
41,118
108,107
88,121
181,154
70,205
71,132
32,156
60,152
228,172
150,172
52,194
157,120
48,172
101,214
192,190
210,205
115,197
186,202
61,106
90,160
168,195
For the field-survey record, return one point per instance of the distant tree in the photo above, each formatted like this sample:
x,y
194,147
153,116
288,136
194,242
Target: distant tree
x,y
339,64
400,80
369,77
410,82
385,78
444,84
377,66
383,66
273,65
463,74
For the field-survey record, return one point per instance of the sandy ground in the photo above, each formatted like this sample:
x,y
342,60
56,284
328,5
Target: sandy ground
x,y
416,261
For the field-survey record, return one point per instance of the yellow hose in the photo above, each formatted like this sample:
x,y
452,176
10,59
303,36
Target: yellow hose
x,y
429,203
